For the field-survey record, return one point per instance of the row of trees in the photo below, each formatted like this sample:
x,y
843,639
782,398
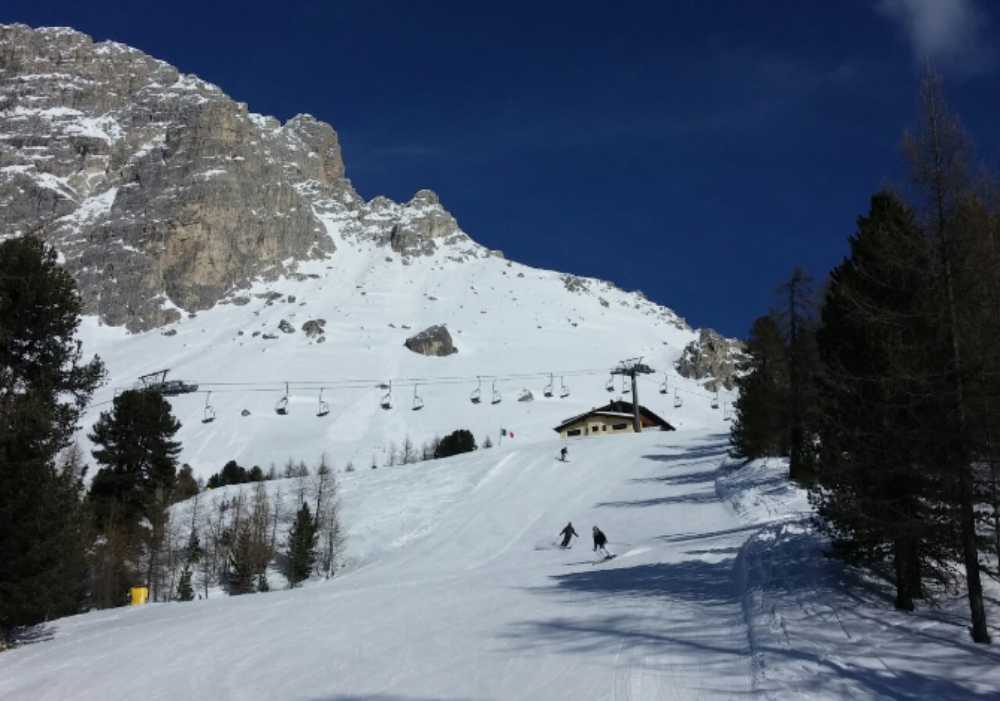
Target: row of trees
x,y
887,399
64,548
459,441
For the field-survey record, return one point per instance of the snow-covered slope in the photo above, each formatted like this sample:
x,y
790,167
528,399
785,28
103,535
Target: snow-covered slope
x,y
718,591
511,323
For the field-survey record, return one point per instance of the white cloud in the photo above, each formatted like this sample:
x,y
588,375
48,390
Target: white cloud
x,y
948,33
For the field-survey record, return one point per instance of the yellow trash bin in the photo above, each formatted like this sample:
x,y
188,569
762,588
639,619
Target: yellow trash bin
x,y
139,595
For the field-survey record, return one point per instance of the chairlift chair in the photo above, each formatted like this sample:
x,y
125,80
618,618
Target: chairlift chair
x,y
663,386
386,402
496,395
626,387
476,395
208,415
281,407
678,402
418,403
726,415
547,391
715,401
564,390
324,407
610,386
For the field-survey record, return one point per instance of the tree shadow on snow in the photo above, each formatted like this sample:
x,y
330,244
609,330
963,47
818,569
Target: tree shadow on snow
x,y
691,581
387,697
691,478
29,635
692,498
709,535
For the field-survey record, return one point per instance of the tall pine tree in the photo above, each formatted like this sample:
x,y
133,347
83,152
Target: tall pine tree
x,y
131,492
759,428
877,487
44,388
301,547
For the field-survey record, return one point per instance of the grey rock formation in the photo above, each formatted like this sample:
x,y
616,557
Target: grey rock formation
x,y
285,326
314,328
712,356
162,193
434,340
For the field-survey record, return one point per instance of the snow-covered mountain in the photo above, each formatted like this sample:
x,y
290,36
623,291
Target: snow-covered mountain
x,y
233,250
512,325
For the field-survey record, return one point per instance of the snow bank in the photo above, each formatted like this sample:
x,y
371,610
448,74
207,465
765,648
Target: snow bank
x,y
820,630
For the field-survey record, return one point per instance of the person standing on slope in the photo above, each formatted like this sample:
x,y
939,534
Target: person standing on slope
x,y
600,542
567,533
563,453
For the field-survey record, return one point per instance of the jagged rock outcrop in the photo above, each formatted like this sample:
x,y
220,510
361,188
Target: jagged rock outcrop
x,y
712,356
162,193
285,326
434,340
314,328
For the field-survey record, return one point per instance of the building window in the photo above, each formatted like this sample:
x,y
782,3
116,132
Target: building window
x,y
619,427
573,432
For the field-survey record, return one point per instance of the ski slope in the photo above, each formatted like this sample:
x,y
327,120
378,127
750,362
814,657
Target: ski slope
x,y
467,600
719,591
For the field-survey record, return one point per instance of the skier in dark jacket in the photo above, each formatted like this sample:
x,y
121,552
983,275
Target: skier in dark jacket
x,y
562,454
567,533
600,541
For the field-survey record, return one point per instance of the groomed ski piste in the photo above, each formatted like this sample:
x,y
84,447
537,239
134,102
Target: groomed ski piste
x,y
458,591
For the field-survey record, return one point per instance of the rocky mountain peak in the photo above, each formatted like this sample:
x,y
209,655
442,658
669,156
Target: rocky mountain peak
x,y
163,194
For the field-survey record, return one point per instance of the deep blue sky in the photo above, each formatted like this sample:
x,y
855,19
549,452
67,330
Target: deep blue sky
x,y
694,150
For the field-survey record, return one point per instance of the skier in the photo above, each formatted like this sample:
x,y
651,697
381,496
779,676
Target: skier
x,y
600,542
567,533
562,453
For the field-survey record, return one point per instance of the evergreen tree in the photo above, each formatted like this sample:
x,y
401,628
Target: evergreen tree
x,y
759,428
301,547
243,567
877,484
186,485
184,590
134,442
44,388
797,315
460,441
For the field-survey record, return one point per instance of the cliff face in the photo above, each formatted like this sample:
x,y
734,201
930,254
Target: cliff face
x,y
162,193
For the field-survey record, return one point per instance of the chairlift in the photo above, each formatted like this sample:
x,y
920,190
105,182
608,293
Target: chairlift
x,y
281,407
678,402
564,390
323,407
726,415
663,386
418,403
496,395
715,401
208,414
525,395
610,386
386,402
626,387
476,395
548,388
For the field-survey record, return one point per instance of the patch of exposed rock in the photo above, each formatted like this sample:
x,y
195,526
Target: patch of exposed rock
x,y
434,340
712,356
285,326
314,328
